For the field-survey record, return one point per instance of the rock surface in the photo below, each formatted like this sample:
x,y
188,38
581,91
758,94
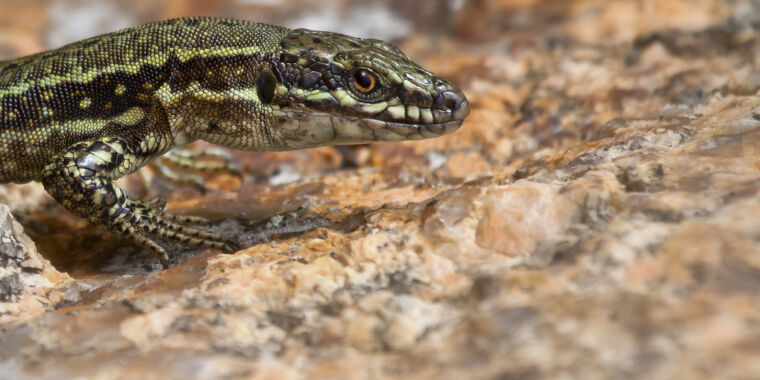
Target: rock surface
x,y
28,282
595,217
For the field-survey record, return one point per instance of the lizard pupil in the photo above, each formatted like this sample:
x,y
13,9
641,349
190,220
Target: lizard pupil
x,y
364,81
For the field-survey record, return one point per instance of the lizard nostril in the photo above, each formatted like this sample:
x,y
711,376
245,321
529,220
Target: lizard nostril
x,y
451,100
450,103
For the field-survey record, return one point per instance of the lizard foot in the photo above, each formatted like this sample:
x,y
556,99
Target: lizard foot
x,y
140,221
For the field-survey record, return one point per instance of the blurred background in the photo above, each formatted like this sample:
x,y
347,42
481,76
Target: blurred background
x,y
34,25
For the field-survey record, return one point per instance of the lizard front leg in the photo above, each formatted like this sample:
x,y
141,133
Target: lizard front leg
x,y
81,179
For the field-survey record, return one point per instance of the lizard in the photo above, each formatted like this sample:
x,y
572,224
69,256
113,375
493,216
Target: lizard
x,y
79,117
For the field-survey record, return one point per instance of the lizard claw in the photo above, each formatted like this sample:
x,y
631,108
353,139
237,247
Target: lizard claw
x,y
147,219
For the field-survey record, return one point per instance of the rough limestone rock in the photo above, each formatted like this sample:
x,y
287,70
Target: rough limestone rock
x,y
27,280
596,217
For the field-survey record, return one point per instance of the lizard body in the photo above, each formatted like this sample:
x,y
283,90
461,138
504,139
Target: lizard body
x,y
78,117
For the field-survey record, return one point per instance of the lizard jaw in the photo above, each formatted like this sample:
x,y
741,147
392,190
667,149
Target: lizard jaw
x,y
303,128
300,130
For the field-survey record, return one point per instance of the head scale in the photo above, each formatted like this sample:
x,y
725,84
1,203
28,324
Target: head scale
x,y
328,88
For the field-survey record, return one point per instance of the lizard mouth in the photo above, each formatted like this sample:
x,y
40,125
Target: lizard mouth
x,y
380,130
300,129
420,123
416,123
303,128
306,128
413,122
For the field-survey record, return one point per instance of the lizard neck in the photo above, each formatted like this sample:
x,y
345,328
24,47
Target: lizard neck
x,y
216,97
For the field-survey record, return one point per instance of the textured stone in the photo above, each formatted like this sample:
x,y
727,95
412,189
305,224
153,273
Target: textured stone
x,y
27,280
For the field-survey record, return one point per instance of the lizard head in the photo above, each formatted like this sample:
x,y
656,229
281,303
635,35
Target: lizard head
x,y
330,89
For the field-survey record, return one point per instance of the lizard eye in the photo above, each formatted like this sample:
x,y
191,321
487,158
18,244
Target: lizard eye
x,y
364,80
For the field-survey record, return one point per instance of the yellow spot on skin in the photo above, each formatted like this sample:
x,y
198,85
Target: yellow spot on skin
x,y
397,112
426,115
150,143
413,112
394,77
375,108
412,87
101,157
131,117
85,103
343,97
318,96
120,89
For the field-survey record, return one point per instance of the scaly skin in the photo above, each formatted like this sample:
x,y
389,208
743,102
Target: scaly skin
x,y
78,117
